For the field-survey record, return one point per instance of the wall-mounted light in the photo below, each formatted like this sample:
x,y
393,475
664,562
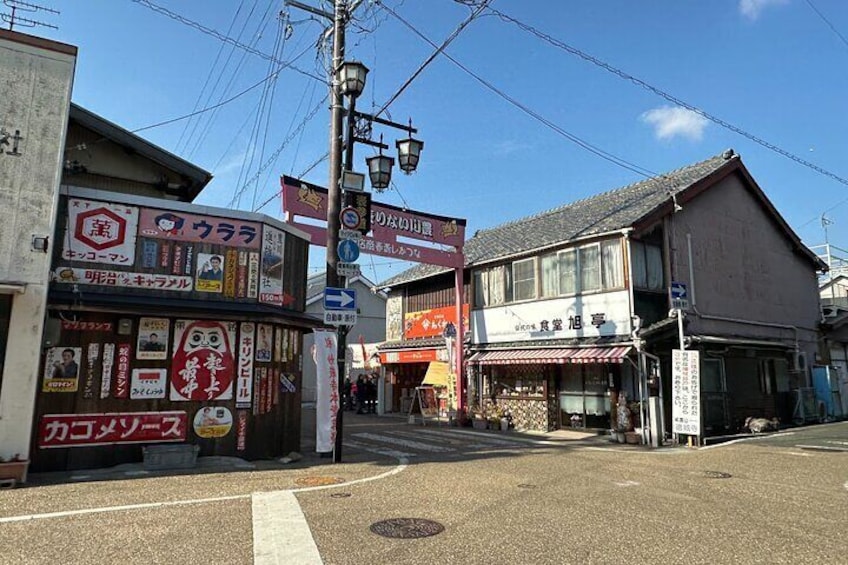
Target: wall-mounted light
x,y
40,243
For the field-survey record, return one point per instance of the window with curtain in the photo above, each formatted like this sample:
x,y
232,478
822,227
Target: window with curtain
x,y
568,272
612,266
481,288
524,279
489,286
589,261
647,266
637,259
655,267
550,275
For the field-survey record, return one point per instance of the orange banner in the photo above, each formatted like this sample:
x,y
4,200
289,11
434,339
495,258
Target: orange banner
x,y
431,323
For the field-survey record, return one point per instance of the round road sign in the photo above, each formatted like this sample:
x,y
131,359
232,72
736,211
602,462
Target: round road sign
x,y
350,218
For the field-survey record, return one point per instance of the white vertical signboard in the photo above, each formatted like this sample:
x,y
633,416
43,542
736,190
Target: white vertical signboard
x,y
686,392
327,389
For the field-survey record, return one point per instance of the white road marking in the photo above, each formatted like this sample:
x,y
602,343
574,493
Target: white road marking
x,y
507,442
280,531
479,442
404,443
377,450
837,442
627,484
740,440
823,448
846,485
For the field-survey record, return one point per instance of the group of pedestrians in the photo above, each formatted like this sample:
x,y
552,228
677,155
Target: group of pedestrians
x,y
361,395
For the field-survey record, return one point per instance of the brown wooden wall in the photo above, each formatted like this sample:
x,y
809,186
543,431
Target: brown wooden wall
x,y
272,431
434,292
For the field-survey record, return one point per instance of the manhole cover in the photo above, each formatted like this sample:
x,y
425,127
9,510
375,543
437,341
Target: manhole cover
x,y
407,528
318,481
526,485
716,475
340,495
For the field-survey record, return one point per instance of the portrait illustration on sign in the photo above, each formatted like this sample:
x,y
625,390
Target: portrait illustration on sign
x,y
203,363
152,338
264,345
61,369
210,273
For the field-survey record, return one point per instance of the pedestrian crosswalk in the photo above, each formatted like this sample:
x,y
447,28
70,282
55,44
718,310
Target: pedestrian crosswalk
x,y
409,442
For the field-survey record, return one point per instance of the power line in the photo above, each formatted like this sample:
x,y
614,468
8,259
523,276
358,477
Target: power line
x,y
619,161
661,93
826,21
221,37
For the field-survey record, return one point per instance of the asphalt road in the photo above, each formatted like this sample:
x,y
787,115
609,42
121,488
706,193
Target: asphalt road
x,y
501,498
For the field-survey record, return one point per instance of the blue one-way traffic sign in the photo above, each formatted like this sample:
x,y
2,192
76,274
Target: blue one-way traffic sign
x,y
679,296
339,298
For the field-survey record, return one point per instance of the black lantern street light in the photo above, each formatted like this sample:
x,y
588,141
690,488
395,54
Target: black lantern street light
x,y
380,170
409,151
352,78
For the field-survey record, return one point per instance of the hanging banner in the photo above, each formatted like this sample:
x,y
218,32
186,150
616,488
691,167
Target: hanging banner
x,y
203,364
327,390
99,232
148,384
244,381
61,369
152,338
122,378
106,375
271,271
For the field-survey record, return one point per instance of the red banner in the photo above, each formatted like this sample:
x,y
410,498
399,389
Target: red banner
x,y
78,430
388,224
241,431
406,356
122,376
431,323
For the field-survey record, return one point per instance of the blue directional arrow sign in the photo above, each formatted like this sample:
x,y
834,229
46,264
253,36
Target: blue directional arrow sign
x,y
339,298
348,250
678,290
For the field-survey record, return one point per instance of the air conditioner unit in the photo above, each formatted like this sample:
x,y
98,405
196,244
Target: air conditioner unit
x,y
799,361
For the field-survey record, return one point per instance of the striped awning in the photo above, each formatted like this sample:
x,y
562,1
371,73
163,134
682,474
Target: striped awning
x,y
561,356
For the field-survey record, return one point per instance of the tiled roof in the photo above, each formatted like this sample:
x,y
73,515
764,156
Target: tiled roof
x,y
602,213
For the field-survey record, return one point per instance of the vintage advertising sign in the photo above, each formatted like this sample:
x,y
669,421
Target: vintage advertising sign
x,y
146,384
230,272
213,422
388,225
210,273
241,279
203,364
595,315
264,344
244,380
99,232
241,431
98,277
278,344
122,377
61,369
80,430
327,389
271,270
178,226
252,274
412,356
106,375
80,326
153,338
92,356
686,392
287,383
432,322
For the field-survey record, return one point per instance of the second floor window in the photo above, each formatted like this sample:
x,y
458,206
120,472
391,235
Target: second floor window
x,y
588,268
647,266
523,280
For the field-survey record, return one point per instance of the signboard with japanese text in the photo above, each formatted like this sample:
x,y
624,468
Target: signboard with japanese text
x,y
106,374
593,315
92,356
148,383
244,380
213,422
432,322
264,345
122,376
100,232
210,273
153,338
327,390
86,326
271,270
122,279
79,430
241,431
686,392
392,228
203,362
252,274
61,369
179,226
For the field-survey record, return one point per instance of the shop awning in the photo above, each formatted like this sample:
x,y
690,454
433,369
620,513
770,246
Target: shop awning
x,y
552,356
438,374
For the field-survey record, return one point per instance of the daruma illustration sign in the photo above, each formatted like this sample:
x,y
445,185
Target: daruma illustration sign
x,y
388,225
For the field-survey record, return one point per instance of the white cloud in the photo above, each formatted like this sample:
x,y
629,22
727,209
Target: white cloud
x,y
751,9
673,121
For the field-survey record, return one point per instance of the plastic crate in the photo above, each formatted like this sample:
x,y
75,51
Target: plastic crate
x,y
161,457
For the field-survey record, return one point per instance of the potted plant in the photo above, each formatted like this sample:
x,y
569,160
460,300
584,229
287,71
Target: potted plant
x,y
15,469
478,420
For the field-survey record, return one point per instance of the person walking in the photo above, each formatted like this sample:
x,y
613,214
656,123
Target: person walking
x,y
348,392
361,391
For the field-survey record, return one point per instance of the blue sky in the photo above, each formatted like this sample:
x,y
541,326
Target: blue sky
x,y
773,68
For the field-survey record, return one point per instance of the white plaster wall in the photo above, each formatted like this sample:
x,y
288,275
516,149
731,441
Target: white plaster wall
x,y
35,87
